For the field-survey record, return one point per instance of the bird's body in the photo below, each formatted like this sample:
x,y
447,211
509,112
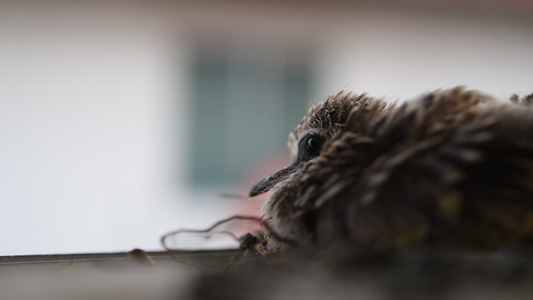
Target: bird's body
x,y
432,198
452,168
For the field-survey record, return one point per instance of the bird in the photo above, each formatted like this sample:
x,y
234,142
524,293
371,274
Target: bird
x,y
431,197
452,168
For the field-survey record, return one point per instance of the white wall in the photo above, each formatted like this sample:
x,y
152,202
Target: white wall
x,y
402,54
90,109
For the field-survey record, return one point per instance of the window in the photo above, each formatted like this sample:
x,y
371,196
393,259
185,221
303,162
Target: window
x,y
245,101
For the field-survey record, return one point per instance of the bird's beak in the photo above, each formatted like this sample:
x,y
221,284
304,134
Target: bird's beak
x,y
268,182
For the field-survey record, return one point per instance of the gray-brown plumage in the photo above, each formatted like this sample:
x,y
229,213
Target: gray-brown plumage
x,y
397,201
451,168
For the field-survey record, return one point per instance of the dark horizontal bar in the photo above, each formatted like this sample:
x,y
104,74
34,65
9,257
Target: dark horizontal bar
x,y
156,255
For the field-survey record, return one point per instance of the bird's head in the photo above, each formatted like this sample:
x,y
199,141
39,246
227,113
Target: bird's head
x,y
322,122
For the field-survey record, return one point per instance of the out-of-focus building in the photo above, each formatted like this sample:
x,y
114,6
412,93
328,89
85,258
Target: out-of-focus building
x,y
121,120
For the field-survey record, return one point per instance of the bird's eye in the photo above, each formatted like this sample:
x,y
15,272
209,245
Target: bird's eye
x,y
313,145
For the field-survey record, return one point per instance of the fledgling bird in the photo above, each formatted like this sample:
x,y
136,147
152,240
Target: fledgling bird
x,y
450,168
408,200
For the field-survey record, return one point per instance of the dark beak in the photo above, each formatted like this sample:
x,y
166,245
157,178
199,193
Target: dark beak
x,y
265,184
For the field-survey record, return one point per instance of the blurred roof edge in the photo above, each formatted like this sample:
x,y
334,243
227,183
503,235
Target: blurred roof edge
x,y
515,8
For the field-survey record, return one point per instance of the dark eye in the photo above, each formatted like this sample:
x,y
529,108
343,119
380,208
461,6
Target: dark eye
x,y
313,145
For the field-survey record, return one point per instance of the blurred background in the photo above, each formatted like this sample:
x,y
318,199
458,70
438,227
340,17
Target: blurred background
x,y
123,120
